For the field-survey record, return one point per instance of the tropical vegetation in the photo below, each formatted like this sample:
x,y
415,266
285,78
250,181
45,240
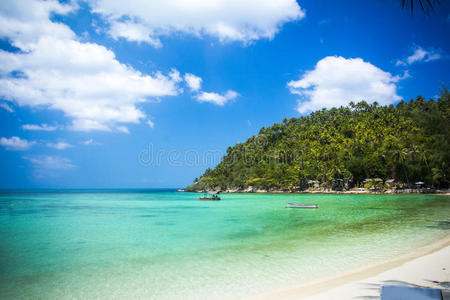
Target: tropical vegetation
x,y
361,145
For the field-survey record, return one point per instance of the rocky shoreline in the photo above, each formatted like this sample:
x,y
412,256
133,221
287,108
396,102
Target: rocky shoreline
x,y
329,191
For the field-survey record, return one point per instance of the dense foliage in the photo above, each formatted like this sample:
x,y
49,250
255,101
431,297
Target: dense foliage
x,y
342,147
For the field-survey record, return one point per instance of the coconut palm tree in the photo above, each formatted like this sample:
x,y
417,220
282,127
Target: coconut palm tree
x,y
425,5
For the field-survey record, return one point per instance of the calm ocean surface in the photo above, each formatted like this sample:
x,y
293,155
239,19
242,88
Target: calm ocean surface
x,y
165,245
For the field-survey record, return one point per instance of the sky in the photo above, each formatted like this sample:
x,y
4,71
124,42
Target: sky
x,y
148,94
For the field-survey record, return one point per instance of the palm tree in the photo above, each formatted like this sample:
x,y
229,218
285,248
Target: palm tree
x,y
425,5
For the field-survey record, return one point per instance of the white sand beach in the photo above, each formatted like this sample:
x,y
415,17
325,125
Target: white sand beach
x,y
426,267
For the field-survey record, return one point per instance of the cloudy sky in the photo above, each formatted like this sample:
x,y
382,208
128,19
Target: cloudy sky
x,y
113,94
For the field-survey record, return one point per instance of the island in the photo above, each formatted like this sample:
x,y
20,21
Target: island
x,y
358,148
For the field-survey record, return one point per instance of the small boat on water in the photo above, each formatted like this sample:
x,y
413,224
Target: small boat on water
x,y
180,190
210,197
302,205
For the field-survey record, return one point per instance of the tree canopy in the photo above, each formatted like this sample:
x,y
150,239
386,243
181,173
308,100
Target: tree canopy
x,y
405,143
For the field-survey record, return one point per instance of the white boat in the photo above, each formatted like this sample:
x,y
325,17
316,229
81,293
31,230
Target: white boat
x,y
210,197
302,205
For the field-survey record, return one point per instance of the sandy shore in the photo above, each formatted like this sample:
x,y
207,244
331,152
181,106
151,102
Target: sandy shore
x,y
426,267
349,192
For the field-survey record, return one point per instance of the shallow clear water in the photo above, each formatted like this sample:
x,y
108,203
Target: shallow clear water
x,y
165,245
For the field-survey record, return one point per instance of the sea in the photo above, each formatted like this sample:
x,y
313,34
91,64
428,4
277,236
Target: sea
x,y
164,244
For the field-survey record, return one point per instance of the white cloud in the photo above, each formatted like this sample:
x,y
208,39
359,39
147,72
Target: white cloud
x,y
45,166
15,143
336,81
6,107
25,21
122,129
91,142
215,98
150,123
133,32
193,82
49,162
419,54
43,127
234,20
59,145
175,75
405,75
83,80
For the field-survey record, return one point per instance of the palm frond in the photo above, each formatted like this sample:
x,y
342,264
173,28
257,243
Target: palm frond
x,y
425,5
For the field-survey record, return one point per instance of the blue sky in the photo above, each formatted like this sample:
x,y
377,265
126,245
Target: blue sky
x,y
99,94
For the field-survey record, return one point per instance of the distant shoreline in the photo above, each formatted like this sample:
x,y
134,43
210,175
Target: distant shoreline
x,y
351,192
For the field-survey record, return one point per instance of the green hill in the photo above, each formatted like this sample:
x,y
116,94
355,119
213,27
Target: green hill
x,y
340,148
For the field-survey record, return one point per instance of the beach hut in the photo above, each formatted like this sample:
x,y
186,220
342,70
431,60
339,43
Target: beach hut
x,y
313,183
390,182
419,184
373,180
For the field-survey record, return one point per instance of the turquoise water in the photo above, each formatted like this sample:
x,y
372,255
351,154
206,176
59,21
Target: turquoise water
x,y
161,244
